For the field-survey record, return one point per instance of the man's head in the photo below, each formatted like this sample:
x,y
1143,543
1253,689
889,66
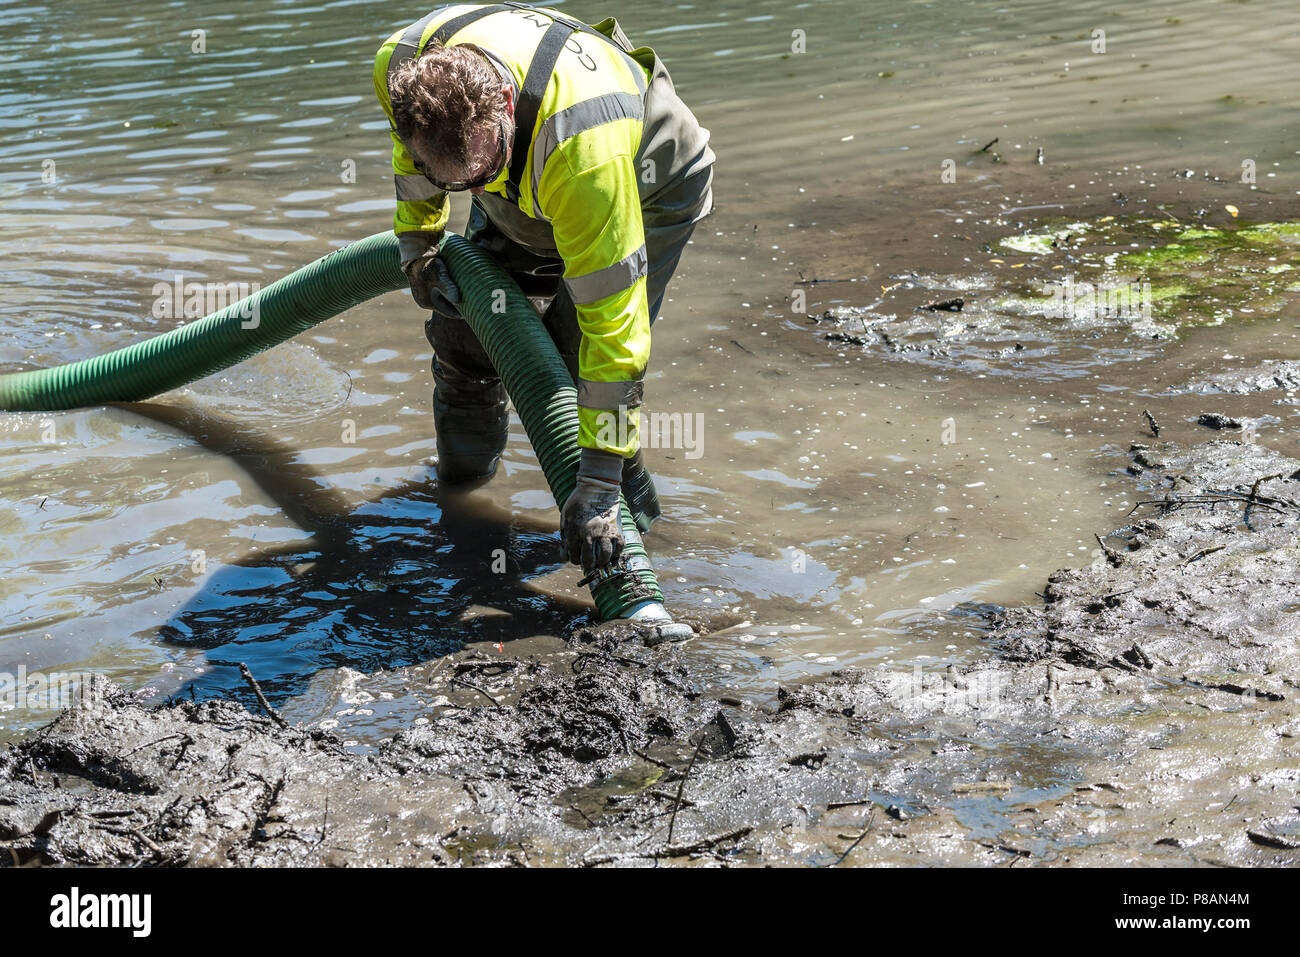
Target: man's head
x,y
454,113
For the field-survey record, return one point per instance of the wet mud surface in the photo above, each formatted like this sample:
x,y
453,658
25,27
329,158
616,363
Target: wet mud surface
x,y
1145,712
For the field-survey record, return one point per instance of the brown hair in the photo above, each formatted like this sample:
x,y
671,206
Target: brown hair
x,y
441,99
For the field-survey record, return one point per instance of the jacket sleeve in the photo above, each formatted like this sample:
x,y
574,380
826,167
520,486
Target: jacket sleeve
x,y
596,216
422,208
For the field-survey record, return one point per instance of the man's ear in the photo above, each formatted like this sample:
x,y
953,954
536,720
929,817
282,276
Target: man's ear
x,y
508,92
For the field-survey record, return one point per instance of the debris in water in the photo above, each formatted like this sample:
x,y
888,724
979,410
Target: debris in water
x,y
1217,420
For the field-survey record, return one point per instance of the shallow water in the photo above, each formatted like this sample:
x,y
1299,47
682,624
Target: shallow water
x,y
854,503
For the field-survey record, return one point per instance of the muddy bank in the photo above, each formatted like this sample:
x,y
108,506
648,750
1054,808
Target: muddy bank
x,y
1145,712
1271,375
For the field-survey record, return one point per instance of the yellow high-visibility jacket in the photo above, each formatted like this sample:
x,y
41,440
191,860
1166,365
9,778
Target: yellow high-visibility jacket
x,y
580,178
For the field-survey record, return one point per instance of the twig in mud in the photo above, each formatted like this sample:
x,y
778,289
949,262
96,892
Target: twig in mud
x,y
1151,421
147,842
150,744
130,832
1214,498
1114,557
671,850
1202,553
1254,494
458,680
580,661
437,668
475,664
985,147
682,787
1255,489
645,757
704,843
871,819
1242,690
261,698
668,796
1019,852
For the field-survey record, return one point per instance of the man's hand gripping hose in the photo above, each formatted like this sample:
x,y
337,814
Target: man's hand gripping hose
x,y
592,536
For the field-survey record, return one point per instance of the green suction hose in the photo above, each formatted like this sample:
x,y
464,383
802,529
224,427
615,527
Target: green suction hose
x,y
322,289
515,340
543,393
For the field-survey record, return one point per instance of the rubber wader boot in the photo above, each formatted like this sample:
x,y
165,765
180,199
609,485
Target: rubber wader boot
x,y
471,426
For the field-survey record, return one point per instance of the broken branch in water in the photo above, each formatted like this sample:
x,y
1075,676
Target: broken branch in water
x,y
1114,557
817,282
1151,421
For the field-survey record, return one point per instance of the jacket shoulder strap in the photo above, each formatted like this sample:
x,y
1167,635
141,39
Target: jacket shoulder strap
x,y
409,45
530,95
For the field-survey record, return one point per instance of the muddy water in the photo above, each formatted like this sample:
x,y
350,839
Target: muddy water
x,y
851,501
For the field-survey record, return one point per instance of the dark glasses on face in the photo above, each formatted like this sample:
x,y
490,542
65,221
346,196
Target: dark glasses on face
x,y
460,186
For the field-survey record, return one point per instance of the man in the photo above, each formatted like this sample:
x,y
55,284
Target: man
x,y
588,175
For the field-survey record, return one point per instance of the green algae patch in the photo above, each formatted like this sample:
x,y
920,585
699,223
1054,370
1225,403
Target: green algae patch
x,y
1054,296
1271,233
1166,273
1043,242
1164,256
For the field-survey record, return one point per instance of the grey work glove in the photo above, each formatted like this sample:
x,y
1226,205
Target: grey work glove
x,y
591,532
428,277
